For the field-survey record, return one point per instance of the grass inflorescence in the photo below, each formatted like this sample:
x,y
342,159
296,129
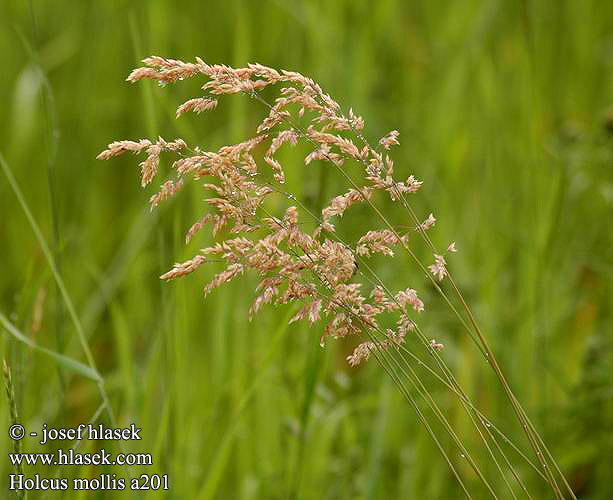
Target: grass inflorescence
x,y
301,255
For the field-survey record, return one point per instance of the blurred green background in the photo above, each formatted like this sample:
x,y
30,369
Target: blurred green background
x,y
505,110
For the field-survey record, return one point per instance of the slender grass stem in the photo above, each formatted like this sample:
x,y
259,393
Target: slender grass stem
x,y
479,339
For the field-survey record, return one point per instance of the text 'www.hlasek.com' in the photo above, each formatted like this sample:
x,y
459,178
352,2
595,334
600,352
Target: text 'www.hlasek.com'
x,y
60,479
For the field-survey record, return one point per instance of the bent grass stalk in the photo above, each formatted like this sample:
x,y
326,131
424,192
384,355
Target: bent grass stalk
x,y
480,342
414,379
420,228
380,353
317,270
422,337
441,363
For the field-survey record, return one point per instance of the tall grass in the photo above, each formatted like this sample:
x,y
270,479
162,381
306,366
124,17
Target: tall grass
x,y
313,269
502,107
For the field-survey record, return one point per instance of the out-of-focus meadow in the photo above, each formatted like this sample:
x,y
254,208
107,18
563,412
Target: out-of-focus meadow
x,y
505,111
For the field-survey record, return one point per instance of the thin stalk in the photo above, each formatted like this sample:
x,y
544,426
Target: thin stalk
x,y
431,402
439,360
422,418
482,345
435,408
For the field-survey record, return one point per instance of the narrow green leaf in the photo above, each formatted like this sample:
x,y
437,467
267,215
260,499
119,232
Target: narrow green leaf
x,y
65,361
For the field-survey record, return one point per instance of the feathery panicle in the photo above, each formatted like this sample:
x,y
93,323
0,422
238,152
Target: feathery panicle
x,y
316,270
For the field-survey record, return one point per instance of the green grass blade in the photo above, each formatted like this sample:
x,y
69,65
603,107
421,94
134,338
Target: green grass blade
x,y
65,361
